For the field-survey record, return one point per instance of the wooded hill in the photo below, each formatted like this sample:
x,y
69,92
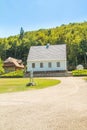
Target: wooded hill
x,y
73,34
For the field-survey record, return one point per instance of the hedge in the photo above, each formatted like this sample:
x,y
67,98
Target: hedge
x,y
14,74
79,72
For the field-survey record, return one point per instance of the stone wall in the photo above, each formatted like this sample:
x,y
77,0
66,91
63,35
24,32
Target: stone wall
x,y
48,74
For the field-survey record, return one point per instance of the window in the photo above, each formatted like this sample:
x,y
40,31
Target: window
x,y
41,65
58,64
49,65
33,65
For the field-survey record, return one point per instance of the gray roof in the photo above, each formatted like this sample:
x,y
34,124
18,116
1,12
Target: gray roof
x,y
47,53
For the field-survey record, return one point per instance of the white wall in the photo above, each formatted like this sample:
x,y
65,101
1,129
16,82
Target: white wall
x,y
63,66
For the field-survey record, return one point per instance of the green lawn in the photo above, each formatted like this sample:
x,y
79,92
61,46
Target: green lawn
x,y
19,84
85,78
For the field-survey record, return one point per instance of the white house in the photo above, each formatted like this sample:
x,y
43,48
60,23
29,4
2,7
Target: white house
x,y
49,58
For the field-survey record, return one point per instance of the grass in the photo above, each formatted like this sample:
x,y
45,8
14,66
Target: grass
x,y
19,84
85,78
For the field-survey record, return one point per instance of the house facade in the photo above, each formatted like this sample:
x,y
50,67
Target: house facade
x,y
47,59
12,64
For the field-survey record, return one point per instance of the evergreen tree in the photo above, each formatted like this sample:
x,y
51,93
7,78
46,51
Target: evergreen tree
x,y
21,33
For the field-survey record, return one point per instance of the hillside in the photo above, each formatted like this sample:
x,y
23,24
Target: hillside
x,y
73,34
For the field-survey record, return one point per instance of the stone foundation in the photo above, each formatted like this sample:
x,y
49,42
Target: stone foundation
x,y
48,74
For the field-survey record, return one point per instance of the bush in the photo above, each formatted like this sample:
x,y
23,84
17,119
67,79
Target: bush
x,y
14,74
80,72
1,67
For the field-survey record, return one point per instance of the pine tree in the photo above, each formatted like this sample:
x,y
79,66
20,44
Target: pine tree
x,y
21,33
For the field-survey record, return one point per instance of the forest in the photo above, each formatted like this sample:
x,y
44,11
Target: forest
x,y
74,35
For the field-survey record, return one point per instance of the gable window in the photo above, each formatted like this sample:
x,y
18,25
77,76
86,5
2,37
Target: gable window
x,y
41,65
33,65
49,65
58,64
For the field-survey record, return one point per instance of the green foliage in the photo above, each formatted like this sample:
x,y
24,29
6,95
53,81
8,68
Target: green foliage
x,y
14,74
1,67
19,84
73,34
80,72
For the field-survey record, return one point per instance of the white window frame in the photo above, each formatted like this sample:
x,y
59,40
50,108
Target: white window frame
x,y
57,64
41,65
33,65
49,65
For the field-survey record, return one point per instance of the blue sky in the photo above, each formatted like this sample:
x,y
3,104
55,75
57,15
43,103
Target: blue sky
x,y
37,14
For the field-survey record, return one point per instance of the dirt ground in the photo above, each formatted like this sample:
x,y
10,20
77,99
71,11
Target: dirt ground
x,y
63,107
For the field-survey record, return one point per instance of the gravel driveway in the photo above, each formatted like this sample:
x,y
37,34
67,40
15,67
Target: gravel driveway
x,y
63,107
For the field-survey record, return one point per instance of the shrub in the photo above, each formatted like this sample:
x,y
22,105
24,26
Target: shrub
x,y
14,74
80,72
1,67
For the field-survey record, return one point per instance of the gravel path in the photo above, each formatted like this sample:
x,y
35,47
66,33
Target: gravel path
x,y
63,107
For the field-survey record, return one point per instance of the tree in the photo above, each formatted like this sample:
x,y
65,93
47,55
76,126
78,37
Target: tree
x,y
83,50
21,33
1,67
